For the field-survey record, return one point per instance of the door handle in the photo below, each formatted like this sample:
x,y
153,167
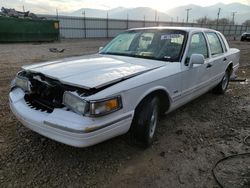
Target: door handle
x,y
224,59
209,65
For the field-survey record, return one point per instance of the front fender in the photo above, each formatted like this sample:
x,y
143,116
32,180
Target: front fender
x,y
152,90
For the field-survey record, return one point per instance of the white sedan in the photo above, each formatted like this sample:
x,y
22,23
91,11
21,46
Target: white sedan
x,y
144,72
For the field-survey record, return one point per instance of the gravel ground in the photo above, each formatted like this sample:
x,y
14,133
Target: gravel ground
x,y
189,141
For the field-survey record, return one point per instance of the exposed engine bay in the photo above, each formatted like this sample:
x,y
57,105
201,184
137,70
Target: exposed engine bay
x,y
46,93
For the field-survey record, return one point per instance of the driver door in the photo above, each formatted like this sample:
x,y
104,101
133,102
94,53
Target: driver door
x,y
196,78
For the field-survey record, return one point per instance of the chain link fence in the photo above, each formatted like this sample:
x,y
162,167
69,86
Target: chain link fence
x,y
85,27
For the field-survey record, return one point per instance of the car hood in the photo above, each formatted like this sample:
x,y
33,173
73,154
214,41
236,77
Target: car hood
x,y
94,71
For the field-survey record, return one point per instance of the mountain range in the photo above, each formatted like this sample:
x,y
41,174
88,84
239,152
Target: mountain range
x,y
175,14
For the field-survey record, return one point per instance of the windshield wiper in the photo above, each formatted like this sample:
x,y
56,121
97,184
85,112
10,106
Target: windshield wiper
x,y
137,56
115,53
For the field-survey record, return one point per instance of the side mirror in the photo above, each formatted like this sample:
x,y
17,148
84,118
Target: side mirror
x,y
100,49
196,59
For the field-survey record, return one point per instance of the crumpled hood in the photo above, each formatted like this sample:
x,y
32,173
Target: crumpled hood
x,y
94,71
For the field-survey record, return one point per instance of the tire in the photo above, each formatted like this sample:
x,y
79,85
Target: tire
x,y
222,86
145,121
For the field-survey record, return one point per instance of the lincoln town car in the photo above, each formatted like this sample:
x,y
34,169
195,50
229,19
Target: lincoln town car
x,y
141,74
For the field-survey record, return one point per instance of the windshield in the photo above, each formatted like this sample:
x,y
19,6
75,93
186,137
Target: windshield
x,y
155,44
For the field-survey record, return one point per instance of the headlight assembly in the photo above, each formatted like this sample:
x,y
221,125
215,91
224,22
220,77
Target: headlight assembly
x,y
74,103
23,83
106,106
91,108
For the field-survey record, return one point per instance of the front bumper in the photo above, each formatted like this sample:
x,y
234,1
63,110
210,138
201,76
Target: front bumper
x,y
68,127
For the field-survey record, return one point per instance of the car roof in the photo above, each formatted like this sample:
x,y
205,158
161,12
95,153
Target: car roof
x,y
187,29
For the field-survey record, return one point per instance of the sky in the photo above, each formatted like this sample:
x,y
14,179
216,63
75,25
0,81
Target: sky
x,y
49,6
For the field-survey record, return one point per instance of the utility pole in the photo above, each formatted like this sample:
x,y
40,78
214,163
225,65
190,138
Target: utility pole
x,y
57,14
188,9
177,19
155,15
218,15
233,14
23,9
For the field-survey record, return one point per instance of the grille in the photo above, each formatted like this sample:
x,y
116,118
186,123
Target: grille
x,y
38,104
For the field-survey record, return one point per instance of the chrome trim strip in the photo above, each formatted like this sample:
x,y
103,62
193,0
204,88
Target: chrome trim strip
x,y
88,129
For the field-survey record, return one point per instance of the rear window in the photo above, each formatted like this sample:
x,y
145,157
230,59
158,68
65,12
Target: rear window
x,y
223,43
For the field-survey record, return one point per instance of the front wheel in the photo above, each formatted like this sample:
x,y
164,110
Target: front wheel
x,y
222,86
146,120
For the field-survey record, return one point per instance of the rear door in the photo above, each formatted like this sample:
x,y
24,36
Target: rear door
x,y
218,59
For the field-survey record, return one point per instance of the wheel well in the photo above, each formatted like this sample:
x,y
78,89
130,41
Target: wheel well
x,y
163,97
230,68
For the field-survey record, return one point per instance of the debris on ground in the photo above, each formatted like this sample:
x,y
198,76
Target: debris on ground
x,y
18,14
189,140
56,50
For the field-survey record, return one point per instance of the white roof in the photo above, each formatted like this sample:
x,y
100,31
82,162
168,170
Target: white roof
x,y
188,29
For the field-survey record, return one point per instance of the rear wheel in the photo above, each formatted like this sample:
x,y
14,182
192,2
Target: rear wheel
x,y
146,120
222,86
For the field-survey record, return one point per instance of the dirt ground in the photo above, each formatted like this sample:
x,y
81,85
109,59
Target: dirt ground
x,y
189,141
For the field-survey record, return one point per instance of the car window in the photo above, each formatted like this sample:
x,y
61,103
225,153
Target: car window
x,y
157,44
198,45
223,43
122,42
214,43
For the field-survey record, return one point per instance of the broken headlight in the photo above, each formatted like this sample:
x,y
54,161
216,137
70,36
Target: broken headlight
x,y
74,103
22,83
92,108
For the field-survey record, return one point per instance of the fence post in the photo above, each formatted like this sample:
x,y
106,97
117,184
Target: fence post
x,y
84,25
235,32
230,27
241,28
223,30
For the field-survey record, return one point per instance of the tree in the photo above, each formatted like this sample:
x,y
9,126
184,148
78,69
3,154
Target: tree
x,y
247,23
222,21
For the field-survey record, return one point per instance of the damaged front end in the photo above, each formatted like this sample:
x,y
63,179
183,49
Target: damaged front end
x,y
44,93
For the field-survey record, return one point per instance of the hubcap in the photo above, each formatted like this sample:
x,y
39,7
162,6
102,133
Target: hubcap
x,y
224,82
153,122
